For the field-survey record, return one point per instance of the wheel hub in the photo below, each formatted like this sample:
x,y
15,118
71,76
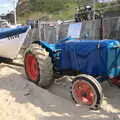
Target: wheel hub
x,y
84,94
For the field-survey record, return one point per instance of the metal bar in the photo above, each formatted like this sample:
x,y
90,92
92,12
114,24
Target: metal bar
x,y
94,2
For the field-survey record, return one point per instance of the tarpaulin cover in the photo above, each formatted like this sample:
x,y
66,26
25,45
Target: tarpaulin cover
x,y
91,57
7,32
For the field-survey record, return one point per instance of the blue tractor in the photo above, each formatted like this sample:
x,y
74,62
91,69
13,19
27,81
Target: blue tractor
x,y
89,61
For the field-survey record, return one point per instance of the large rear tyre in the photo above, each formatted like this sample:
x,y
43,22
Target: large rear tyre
x,y
38,66
87,90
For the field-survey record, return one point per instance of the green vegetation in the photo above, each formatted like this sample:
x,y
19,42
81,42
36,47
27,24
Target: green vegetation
x,y
55,9
47,10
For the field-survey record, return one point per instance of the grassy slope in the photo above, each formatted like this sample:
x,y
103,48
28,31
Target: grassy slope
x,y
68,13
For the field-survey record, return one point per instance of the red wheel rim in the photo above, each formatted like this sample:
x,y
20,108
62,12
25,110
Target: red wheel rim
x,y
83,92
32,68
116,80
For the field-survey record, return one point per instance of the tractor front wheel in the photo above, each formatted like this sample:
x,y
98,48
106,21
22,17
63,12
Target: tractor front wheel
x,y
38,66
87,90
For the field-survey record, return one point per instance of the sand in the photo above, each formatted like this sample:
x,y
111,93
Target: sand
x,y
23,100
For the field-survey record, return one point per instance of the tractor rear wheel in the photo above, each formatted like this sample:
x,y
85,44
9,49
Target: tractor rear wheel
x,y
87,90
38,66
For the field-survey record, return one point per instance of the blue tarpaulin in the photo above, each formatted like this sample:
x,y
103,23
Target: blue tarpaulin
x,y
93,57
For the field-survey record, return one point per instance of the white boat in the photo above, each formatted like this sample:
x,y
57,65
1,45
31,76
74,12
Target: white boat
x,y
11,40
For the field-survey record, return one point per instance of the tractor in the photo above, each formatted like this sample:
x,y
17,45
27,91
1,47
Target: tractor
x,y
89,62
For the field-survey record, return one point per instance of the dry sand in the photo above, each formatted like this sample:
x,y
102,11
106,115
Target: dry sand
x,y
22,100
